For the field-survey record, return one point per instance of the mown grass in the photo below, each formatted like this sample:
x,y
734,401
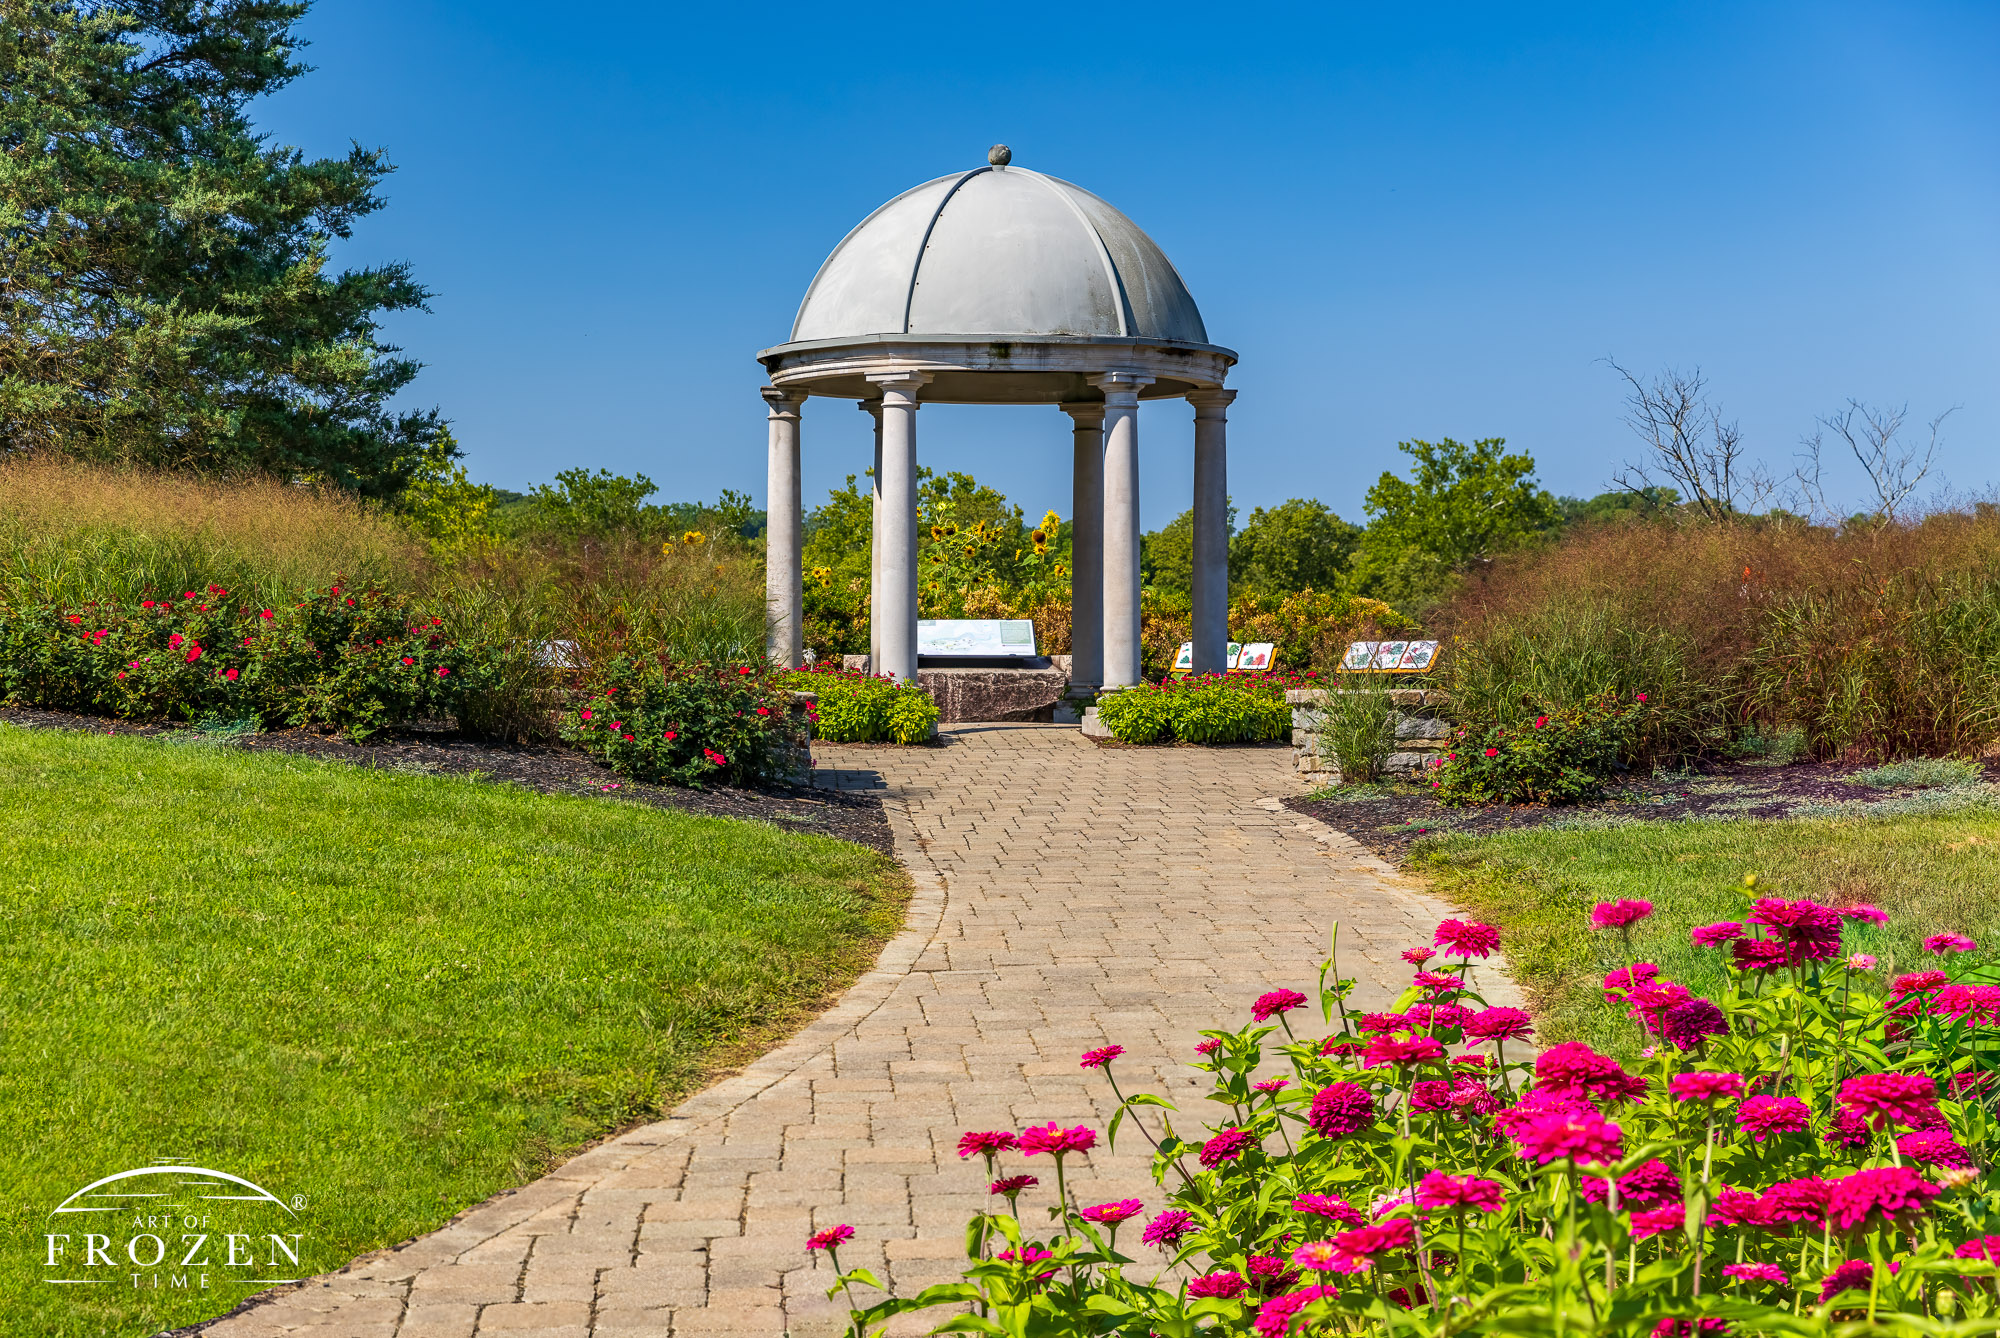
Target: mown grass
x,y
1930,871
391,994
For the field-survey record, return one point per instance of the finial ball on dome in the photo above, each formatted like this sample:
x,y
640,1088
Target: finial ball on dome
x,y
999,155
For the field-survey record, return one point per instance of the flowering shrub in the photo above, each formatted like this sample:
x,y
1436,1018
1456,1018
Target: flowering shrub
x,y
854,707
686,724
1210,708
1803,1154
354,660
1558,758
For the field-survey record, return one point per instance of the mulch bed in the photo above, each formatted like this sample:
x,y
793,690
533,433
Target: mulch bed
x,y
1389,819
549,769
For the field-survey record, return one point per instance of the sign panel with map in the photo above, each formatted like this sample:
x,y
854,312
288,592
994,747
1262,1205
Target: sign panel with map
x,y
976,638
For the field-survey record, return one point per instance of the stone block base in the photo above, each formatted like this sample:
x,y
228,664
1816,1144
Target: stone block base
x,y
965,695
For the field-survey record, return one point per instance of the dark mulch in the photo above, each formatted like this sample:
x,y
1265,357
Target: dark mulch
x,y
1389,819
551,769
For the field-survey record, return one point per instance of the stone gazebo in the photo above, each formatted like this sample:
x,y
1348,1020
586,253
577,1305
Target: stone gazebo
x,y
1004,286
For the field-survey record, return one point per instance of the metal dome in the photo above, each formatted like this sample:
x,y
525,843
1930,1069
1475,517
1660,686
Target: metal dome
x,y
998,252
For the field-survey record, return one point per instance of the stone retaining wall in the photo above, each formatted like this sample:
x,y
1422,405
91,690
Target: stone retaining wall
x,y
1423,733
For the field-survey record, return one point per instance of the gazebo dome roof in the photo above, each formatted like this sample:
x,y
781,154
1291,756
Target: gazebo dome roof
x,y
999,252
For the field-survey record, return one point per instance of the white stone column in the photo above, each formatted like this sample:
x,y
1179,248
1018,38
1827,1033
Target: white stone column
x,y
1211,529
1086,532
873,408
899,522
1121,525
784,583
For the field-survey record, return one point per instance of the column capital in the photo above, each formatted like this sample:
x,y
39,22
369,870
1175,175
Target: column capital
x,y
1087,413
784,403
1210,403
904,382
1121,389
873,408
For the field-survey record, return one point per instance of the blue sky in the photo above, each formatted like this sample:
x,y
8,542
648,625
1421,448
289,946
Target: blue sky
x,y
1408,221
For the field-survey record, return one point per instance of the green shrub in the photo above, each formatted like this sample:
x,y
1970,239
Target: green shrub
x,y
1557,758
686,724
1775,746
1357,727
1213,708
854,707
1921,773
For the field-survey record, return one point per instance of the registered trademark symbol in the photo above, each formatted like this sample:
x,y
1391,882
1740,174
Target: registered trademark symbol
x,y
298,1201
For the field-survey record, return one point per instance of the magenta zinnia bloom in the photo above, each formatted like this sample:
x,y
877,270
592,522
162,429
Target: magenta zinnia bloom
x,y
1317,1254
1167,1229
1687,1024
1270,1275
1762,1116
1418,956
1863,911
1209,1046
1049,1138
1372,1023
1917,982
1274,1317
1273,1086
1795,1201
1852,1276
1434,1095
1848,1130
1892,1098
1498,1024
1649,1186
1340,1109
1656,1220
1438,1190
1981,1247
1464,938
1227,1286
1356,1250
985,1144
1329,1207
1226,1146
1738,1207
1759,954
1617,914
1436,983
1270,1005
1013,1184
1933,1147
832,1238
1810,930
1886,1192
1942,943
1574,1069
1616,983
1581,1135
1715,935
1704,1086
1389,1050
1111,1214
1097,1059
1770,1273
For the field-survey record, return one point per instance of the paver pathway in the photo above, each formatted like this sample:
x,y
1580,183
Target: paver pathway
x,y
1067,896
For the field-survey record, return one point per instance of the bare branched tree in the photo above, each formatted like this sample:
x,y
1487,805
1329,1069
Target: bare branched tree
x,y
1689,446
1895,465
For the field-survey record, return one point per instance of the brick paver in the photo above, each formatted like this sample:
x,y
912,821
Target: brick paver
x,y
1067,896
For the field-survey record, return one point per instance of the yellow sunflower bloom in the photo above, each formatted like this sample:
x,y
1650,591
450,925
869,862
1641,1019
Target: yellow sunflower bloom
x,y
937,531
694,538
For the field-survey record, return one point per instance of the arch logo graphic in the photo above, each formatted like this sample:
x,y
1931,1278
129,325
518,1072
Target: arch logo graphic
x,y
171,1226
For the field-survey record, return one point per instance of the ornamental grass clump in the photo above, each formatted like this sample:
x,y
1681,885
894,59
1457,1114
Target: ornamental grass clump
x,y
1807,1153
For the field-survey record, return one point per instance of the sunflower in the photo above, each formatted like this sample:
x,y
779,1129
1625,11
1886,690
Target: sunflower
x,y
1052,522
694,538
937,531
1041,537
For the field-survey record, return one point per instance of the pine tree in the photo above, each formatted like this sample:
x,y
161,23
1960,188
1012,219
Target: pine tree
x,y
165,291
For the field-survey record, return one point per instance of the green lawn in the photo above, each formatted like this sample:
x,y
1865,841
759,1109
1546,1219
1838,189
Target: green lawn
x,y
390,994
1931,872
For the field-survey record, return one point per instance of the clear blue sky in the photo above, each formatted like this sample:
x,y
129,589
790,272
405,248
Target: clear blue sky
x,y
1409,221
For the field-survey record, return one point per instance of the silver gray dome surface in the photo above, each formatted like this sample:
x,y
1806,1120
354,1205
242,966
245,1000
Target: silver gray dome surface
x,y
998,252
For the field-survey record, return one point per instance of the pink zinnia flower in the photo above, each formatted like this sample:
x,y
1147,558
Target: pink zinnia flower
x,y
1111,1214
1580,1135
1574,1069
1717,934
1887,1192
1418,956
1226,1286
1271,1005
1329,1207
1317,1254
1049,1138
1809,930
1463,938
1770,1273
1340,1109
1356,1250
1436,983
1012,1185
1167,1229
985,1144
1687,1024
1860,961
832,1238
1943,943
1849,1129
1653,1221
1703,1086
1274,1317
1756,954
1617,914
1892,1098
1209,1046
1273,1086
1498,1024
1438,1190
1982,1247
1226,1146
1389,1050
1649,1186
1933,1147
1097,1059
1738,1207
1852,1276
1863,911
1762,1116
1625,978
1801,1200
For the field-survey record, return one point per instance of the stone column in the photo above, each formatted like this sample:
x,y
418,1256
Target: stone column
x,y
899,523
1086,532
1211,529
1121,525
873,408
784,585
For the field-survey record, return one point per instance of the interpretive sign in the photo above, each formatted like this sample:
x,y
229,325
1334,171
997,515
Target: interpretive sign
x,y
1253,658
1389,657
976,638
1256,657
